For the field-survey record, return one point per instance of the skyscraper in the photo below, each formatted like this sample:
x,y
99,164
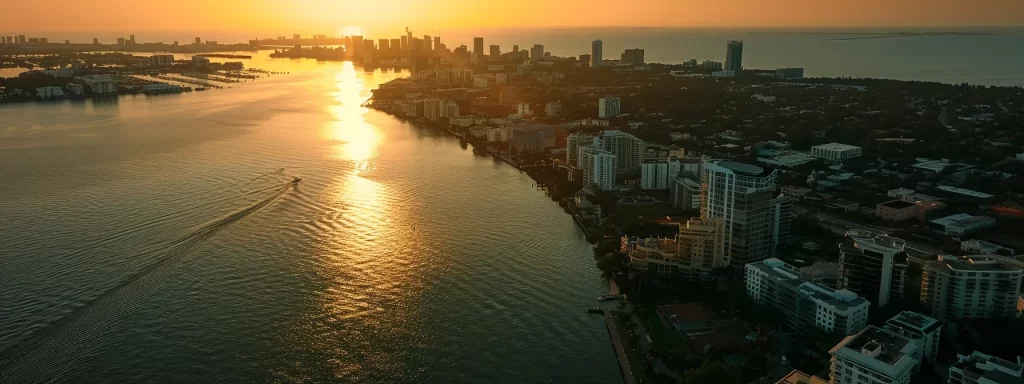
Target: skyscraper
x,y
199,41
598,168
428,43
596,54
537,52
734,57
743,195
873,265
131,39
495,51
404,43
478,48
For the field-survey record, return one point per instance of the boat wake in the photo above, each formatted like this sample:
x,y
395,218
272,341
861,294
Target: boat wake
x,y
54,350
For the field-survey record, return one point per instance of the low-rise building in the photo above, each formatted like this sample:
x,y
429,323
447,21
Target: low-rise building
x,y
804,305
656,255
835,151
789,73
796,193
982,247
49,92
896,210
200,62
982,368
971,287
99,84
874,356
962,224
925,330
75,89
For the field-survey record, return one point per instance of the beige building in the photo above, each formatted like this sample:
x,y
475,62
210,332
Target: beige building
x,y
701,248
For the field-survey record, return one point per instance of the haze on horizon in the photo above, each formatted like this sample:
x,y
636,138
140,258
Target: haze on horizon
x,y
331,17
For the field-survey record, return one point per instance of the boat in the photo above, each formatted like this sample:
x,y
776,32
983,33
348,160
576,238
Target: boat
x,y
296,180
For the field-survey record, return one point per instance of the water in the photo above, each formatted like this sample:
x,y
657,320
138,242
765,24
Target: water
x,y
996,59
158,239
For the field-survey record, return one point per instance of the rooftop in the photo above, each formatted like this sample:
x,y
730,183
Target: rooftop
x,y
914,320
897,204
797,377
878,239
961,220
742,168
965,192
881,350
975,263
939,165
992,369
836,147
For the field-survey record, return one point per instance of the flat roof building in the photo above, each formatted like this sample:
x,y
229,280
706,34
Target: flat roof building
x,y
756,219
835,151
873,265
874,356
982,368
924,329
971,287
803,304
963,224
896,210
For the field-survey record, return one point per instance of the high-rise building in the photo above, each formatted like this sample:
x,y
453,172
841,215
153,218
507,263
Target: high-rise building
x,y
804,305
633,56
874,356
495,51
596,53
478,48
658,173
609,106
982,368
199,41
383,45
95,40
573,142
685,193
734,57
296,37
585,60
395,45
628,149
432,109
437,42
404,43
598,168
537,52
515,48
428,43
923,329
131,39
873,265
120,41
789,73
743,195
971,287
22,39
700,247
357,46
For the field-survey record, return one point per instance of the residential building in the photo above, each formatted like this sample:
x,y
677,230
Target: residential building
x,y
478,48
537,52
432,109
598,167
495,52
873,265
99,83
795,193
658,173
685,193
734,57
633,56
596,53
75,89
200,62
804,305
532,137
49,92
609,106
723,74
712,65
982,368
971,287
584,60
789,73
500,134
657,255
896,210
962,224
552,108
982,247
835,151
451,109
627,148
797,377
743,195
162,59
573,142
701,248
874,356
923,329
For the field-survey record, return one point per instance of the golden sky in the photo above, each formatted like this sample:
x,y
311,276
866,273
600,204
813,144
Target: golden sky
x,y
329,16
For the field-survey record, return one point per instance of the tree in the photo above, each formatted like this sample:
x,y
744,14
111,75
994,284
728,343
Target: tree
x,y
712,372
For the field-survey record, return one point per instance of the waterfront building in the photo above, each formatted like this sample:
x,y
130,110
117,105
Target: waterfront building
x,y
982,368
734,57
75,89
451,109
797,377
49,92
596,53
804,305
609,106
432,109
962,224
533,137
627,148
656,255
923,329
573,142
712,65
835,151
743,195
99,83
120,41
873,265
874,356
723,74
789,73
537,52
685,193
552,108
478,48
658,173
162,59
971,287
499,134
633,56
701,248
598,168
200,62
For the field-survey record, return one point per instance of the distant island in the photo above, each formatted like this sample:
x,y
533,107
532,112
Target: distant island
x,y
876,35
